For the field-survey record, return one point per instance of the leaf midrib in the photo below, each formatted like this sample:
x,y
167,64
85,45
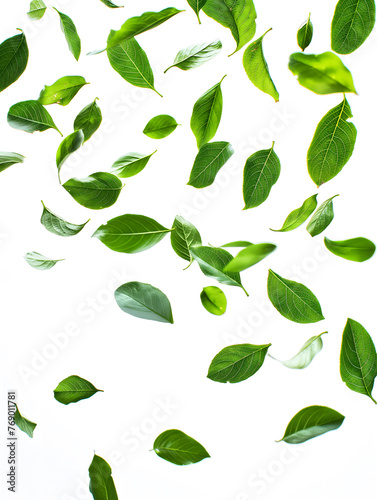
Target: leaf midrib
x,y
13,56
244,357
135,66
210,164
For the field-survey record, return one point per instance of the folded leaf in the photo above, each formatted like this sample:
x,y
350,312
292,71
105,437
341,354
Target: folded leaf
x,y
30,116
112,5
179,448
98,191
101,484
210,158
183,237
23,423
73,389
14,55
160,127
305,34
355,249
38,261
88,120
62,91
195,55
322,217
9,159
197,6
57,225
250,256
305,355
37,10
299,216
213,300
70,32
131,164
68,146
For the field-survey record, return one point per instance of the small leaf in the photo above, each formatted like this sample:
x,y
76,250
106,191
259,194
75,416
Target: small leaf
x,y
299,216
98,191
112,5
131,164
257,70
305,355
213,300
261,172
358,359
323,73
144,301
305,34
88,120
237,363
310,423
73,389
30,116
9,159
160,127
322,217
210,158
131,233
195,55
23,423
293,300
101,484
183,237
197,6
69,29
237,244
56,225
68,146
14,55
179,448
62,91
38,261
37,10
250,256
355,249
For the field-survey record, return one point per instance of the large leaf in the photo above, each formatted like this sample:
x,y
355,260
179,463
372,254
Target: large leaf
x,y
39,261
237,362
213,300
210,158
250,256
179,448
322,217
305,34
130,164
293,300
323,73
310,423
131,233
62,91
23,423
67,147
37,10
352,23
305,355
144,301
160,127
98,191
101,484
30,116
14,54
358,359
355,249
57,225
299,215
261,172
195,55
237,15
88,120
73,389
332,145
197,6
9,159
206,115
257,70
112,5
183,237
69,29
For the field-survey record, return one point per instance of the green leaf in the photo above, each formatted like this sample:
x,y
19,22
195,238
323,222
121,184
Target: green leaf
x,y
179,448
213,300
210,158
98,191
69,29
30,116
68,146
160,127
212,262
131,233
355,249
305,34
112,5
62,91
305,355
237,363
322,217
23,423
9,159
299,216
57,225
293,300
323,73
73,389
197,6
352,23
206,115
88,120
256,68
37,10
261,172
237,15
332,145
130,164
358,359
310,423
14,55
250,256
101,484
237,244
144,301
38,261
131,62
184,236
195,55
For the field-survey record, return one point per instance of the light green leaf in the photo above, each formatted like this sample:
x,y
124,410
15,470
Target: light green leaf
x,y
305,34
98,191
261,172
57,225
355,249
195,55
144,301
210,158
101,484
310,423
14,55
30,116
256,68
352,23
38,261
9,159
62,91
299,216
37,10
69,29
68,146
197,6
237,244
322,217
306,354
73,389
160,127
131,233
183,237
130,164
323,73
332,145
250,256
23,423
88,120
293,300
237,363
112,5
206,115
179,448
213,300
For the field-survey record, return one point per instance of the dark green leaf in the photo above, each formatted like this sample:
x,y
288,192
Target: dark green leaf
x,y
195,55
299,216
305,355
355,249
98,191
131,164
305,34
38,261
73,389
213,300
112,5
197,6
23,423
37,10
210,158
9,159
30,116
68,146
160,127
183,237
88,120
70,33
101,484
250,256
14,55
322,217
62,91
57,225
179,448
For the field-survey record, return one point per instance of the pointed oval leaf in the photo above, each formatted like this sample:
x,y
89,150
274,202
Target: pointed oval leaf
x,y
68,146
305,34
312,422
57,225
250,256
37,10
39,261
299,216
14,55
305,355
160,127
73,389
131,233
98,191
178,448
112,5
195,55
210,158
130,164
183,237
197,6
70,32
322,217
293,300
144,301
9,159
62,91
30,116
214,300
355,249
23,423
101,484
88,120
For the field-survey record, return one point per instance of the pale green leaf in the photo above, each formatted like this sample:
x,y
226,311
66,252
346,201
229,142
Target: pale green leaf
x,y
305,355
213,300
37,10
62,91
40,262
195,55
250,256
24,424
59,226
184,236
299,215
355,249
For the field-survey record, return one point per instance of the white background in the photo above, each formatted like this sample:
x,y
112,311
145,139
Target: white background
x,y
140,364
